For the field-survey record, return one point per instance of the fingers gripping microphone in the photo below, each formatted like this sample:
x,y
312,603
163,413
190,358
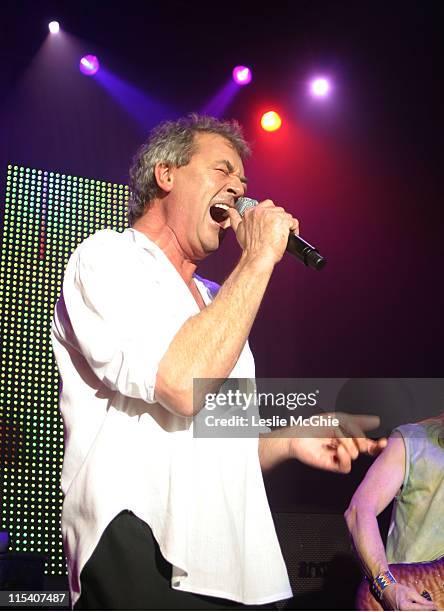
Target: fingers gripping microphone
x,y
304,251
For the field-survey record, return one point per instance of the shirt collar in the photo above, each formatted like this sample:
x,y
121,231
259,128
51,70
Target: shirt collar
x,y
149,245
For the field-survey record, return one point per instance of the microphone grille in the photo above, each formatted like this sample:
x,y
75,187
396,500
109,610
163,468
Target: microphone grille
x,y
243,204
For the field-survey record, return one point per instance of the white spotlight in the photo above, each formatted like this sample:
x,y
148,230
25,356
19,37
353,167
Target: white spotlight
x,y
54,27
320,87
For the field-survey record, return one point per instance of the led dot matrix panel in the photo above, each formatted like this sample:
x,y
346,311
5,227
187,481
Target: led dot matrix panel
x,y
46,216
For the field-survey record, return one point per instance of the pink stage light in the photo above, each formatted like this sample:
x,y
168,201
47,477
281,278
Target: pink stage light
x,y
320,87
242,75
89,65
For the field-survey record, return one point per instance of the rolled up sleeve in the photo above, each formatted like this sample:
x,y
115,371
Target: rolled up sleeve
x,y
117,313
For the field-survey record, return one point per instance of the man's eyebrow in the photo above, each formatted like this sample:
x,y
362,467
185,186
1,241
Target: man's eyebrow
x,y
230,168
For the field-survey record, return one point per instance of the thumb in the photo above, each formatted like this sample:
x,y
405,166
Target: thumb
x,y
376,446
235,218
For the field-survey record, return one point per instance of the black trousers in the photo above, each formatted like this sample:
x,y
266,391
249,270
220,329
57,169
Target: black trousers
x,y
128,572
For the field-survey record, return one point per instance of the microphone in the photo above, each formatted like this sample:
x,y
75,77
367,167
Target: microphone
x,y
304,251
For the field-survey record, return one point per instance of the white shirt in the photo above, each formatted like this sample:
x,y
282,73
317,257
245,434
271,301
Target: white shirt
x,y
204,499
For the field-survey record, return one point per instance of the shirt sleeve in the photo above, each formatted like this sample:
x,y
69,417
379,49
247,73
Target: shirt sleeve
x,y
115,312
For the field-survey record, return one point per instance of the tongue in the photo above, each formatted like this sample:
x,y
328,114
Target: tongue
x,y
218,214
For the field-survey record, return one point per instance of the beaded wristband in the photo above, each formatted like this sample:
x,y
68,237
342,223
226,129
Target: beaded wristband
x,y
382,581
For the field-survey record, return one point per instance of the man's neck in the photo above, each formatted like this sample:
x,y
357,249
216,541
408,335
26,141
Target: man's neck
x,y
156,230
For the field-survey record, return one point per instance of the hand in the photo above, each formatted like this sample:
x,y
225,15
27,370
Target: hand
x,y
263,230
398,596
333,447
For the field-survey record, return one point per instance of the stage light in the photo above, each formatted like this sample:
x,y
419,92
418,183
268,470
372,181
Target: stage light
x,y
242,75
320,87
54,27
271,121
89,65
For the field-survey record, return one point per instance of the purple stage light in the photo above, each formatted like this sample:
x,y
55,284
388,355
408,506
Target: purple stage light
x,y
320,87
242,75
54,27
146,110
89,65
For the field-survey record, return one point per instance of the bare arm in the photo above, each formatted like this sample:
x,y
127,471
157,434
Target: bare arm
x,y
274,448
208,345
331,448
380,485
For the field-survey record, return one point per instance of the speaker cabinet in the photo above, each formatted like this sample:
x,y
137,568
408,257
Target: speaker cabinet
x,y
323,570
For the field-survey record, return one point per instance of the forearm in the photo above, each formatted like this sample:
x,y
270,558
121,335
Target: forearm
x,y
364,529
208,345
274,448
363,526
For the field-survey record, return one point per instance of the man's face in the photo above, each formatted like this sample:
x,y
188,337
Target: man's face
x,y
214,176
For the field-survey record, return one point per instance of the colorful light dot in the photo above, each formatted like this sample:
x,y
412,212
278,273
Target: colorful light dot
x,y
271,121
242,75
32,442
54,27
320,87
89,65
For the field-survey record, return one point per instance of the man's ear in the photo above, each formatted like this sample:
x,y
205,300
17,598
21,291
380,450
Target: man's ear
x,y
164,176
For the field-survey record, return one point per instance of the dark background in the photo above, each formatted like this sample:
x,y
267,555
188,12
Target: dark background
x,y
361,171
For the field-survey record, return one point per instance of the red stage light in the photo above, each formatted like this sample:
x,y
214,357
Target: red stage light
x,y
271,121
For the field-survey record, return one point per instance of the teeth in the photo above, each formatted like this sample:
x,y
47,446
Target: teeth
x,y
219,212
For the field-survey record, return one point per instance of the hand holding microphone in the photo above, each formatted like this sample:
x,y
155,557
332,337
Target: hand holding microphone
x,y
271,229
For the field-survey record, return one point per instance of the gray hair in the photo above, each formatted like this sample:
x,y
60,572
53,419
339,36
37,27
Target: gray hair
x,y
173,143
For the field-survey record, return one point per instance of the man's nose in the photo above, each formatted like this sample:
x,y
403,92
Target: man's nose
x,y
236,187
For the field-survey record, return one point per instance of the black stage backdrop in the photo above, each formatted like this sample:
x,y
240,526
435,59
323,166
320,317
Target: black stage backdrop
x,y
361,173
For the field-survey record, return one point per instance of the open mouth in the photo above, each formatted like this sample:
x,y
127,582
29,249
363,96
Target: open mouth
x,y
219,213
